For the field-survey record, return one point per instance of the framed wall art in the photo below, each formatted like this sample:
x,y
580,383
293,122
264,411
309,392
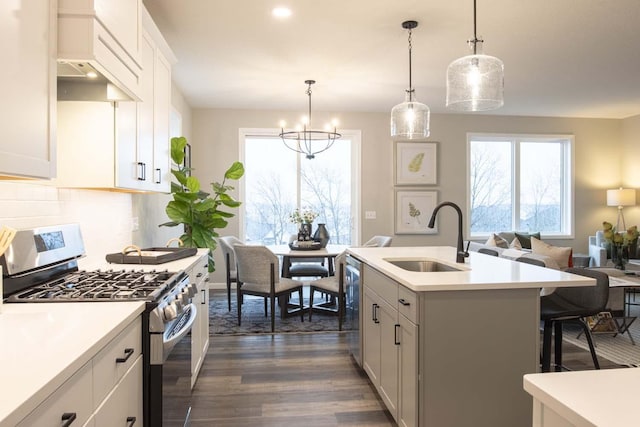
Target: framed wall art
x,y
413,211
416,163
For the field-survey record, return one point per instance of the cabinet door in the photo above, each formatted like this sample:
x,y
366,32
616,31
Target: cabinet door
x,y
123,407
196,339
371,336
161,179
28,82
389,350
408,373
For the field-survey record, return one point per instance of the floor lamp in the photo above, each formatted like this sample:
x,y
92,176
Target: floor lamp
x,y
621,197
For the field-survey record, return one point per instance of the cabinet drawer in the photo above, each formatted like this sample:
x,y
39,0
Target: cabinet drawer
x,y
386,288
407,304
200,270
73,397
123,406
115,359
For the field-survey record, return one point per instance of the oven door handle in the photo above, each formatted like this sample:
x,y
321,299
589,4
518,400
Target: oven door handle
x,y
168,344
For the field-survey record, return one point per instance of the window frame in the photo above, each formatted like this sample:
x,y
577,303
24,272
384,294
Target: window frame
x,y
567,204
355,136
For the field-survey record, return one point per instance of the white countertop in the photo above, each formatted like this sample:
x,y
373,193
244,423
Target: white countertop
x,y
603,398
479,271
43,344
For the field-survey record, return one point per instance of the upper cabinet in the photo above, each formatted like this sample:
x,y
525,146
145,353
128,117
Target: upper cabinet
x,y
103,36
28,82
124,144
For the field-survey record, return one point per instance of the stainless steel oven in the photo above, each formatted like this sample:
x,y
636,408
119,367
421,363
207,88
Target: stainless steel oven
x,y
40,266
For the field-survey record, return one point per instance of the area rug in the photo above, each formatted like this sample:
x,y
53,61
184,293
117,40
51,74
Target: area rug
x,y
617,348
224,322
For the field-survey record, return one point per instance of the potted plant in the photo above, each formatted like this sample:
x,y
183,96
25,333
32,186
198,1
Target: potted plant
x,y
198,211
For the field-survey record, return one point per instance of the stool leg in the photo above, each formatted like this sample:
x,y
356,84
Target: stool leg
x,y
546,346
311,292
592,349
558,346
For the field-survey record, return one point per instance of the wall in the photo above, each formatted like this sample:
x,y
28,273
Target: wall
x,y
597,163
104,217
630,152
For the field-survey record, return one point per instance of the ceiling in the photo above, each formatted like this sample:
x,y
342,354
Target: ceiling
x,y
562,58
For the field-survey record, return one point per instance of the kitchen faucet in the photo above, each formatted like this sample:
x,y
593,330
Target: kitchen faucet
x,y
461,253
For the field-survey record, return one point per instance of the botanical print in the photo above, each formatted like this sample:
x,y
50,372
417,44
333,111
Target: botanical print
x,y
415,163
413,210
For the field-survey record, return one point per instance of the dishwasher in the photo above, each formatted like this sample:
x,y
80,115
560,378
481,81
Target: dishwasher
x,y
353,275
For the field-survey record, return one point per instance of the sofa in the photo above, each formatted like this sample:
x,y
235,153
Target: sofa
x,y
514,245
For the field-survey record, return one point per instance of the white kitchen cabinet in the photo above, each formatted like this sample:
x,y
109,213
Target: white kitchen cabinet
x,y
28,76
390,342
199,274
106,34
107,388
121,145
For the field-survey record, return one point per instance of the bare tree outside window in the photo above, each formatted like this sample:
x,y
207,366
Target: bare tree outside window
x,y
542,165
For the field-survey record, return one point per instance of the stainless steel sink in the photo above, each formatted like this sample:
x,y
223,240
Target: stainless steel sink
x,y
421,265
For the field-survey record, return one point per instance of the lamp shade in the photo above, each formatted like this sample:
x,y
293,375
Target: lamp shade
x,y
475,83
621,197
410,119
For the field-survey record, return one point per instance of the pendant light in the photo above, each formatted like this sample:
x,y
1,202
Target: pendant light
x,y
475,82
304,139
410,119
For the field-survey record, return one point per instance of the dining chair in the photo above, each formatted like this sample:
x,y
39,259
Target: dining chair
x,y
487,251
308,267
332,286
226,244
572,304
258,274
378,242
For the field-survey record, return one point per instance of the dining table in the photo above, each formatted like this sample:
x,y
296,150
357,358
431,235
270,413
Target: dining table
x,y
287,253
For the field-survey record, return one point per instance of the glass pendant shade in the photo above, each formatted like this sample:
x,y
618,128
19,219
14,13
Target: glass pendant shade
x,y
410,119
475,83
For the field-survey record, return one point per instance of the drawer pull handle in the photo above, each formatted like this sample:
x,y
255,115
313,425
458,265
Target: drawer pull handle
x,y
131,421
396,341
375,313
404,302
204,297
198,275
68,418
127,354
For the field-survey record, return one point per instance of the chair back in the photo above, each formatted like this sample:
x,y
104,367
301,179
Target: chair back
x,y
532,261
226,244
593,298
487,251
254,264
378,242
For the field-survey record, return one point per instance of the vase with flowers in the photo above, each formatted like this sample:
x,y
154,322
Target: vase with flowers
x,y
304,219
623,245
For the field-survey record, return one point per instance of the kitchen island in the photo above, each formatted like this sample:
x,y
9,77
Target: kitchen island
x,y
450,347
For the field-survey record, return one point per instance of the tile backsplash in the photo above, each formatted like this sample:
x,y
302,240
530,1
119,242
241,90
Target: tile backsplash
x,y
104,217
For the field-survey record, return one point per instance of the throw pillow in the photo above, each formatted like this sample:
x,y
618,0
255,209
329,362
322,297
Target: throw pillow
x,y
515,244
497,241
561,255
525,239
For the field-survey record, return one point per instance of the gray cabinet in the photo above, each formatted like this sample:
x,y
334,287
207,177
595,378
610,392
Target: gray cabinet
x,y
390,344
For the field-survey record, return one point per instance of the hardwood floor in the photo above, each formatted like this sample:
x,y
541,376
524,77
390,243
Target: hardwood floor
x,y
284,380
297,380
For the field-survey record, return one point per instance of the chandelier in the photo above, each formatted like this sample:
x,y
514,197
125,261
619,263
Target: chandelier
x,y
410,119
475,82
304,139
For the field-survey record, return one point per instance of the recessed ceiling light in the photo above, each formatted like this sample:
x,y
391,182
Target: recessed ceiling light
x,y
281,12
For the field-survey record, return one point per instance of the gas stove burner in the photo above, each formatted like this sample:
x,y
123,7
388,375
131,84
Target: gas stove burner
x,y
110,285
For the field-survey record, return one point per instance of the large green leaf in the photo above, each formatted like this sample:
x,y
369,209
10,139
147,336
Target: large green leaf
x,y
177,149
235,171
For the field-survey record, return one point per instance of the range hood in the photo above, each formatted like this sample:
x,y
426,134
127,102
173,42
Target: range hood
x,y
82,82
99,56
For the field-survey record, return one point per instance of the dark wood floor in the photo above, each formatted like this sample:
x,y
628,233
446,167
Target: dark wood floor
x,y
304,380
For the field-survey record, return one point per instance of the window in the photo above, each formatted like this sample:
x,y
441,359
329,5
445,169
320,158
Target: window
x,y
277,180
520,182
